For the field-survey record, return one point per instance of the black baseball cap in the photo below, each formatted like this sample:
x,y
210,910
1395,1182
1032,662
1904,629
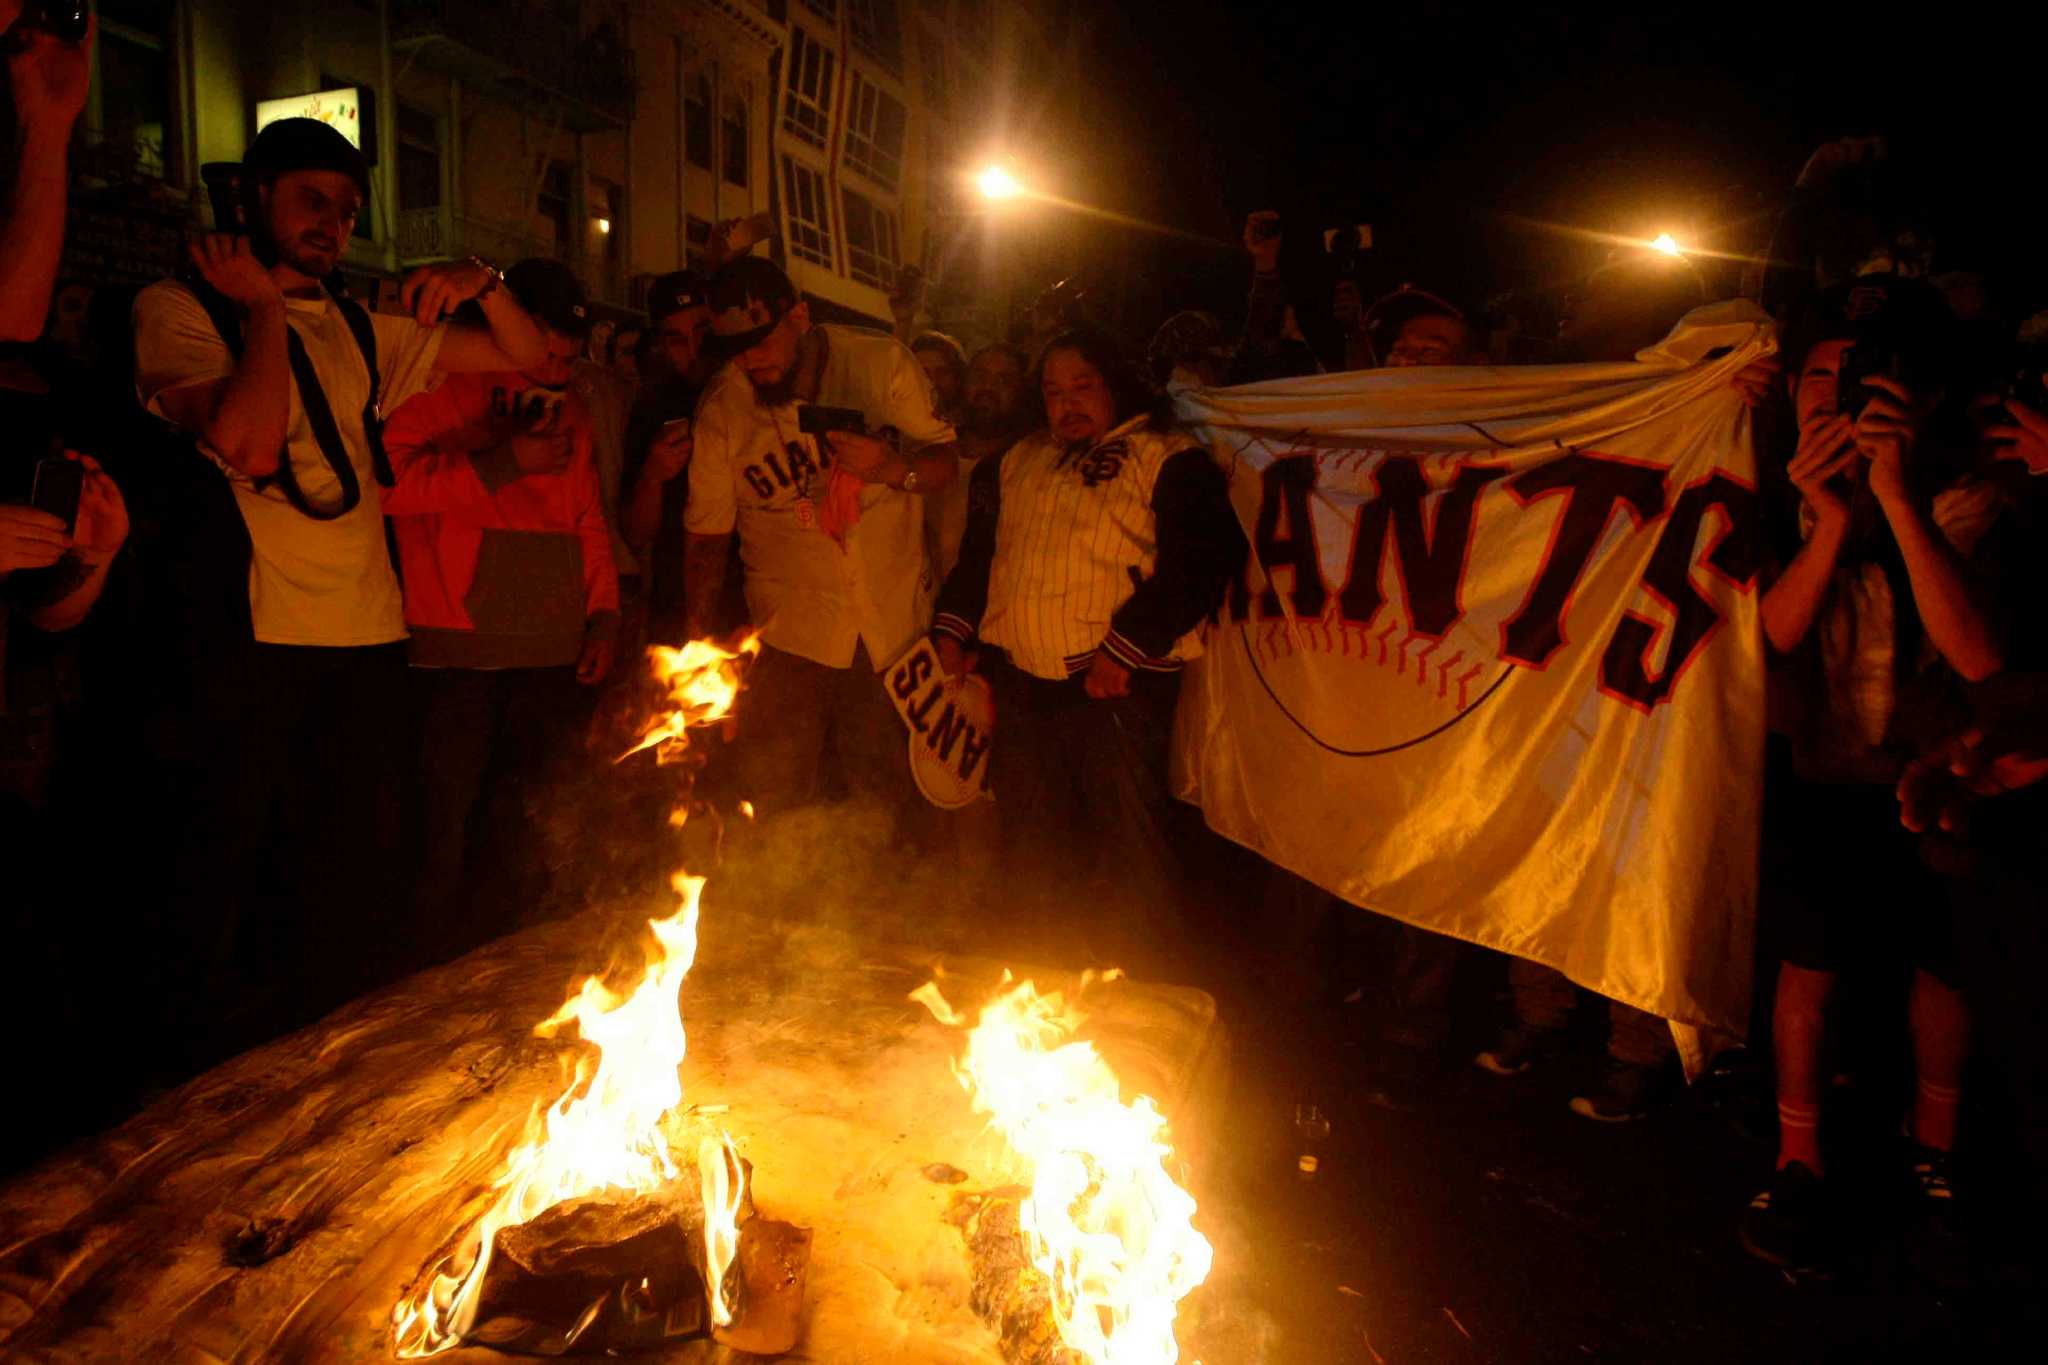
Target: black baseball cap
x,y
674,292
749,296
305,144
549,289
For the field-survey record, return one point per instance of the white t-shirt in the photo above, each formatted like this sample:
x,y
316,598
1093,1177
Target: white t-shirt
x,y
752,469
311,582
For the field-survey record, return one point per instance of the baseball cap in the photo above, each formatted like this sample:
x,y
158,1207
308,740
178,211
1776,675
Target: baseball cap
x,y
1385,319
306,144
675,291
549,289
749,296
1182,337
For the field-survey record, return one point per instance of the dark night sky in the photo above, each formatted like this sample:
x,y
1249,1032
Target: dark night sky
x,y
1438,122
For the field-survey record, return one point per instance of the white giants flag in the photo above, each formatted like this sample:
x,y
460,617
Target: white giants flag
x,y
1495,667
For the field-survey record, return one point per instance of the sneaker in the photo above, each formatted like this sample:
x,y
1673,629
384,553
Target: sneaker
x,y
1520,1047
1787,1224
1628,1093
1934,1243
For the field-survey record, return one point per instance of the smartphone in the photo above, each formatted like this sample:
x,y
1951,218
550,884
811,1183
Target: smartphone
x,y
1867,357
816,419
59,483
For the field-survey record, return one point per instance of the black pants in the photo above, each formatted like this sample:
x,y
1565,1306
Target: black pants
x,y
291,852
494,743
793,711
1081,787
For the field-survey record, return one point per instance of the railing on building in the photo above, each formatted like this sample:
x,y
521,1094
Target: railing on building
x,y
435,234
535,51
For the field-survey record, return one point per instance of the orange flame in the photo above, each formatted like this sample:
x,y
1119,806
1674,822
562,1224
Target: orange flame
x,y
604,1132
702,680
1104,1221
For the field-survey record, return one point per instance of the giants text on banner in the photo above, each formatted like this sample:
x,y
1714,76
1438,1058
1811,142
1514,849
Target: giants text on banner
x,y
1495,667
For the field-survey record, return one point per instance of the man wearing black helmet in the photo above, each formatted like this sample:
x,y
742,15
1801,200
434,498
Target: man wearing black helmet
x,y
283,384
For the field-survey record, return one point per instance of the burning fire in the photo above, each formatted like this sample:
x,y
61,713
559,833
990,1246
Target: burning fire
x,y
701,681
1104,1221
604,1133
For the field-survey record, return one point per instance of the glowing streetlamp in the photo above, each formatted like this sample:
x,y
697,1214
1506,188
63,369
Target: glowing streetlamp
x,y
1667,244
997,183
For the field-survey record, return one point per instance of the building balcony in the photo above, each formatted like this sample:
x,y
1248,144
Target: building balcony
x,y
534,53
426,235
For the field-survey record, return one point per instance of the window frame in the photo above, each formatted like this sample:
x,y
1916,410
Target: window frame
x,y
824,252
862,151
886,255
807,112
736,102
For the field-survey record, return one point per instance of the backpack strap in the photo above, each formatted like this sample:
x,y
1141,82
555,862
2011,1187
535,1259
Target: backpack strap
x,y
358,319
313,398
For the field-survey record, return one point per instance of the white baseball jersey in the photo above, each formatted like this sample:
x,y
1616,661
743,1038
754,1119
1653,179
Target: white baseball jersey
x,y
1075,533
752,469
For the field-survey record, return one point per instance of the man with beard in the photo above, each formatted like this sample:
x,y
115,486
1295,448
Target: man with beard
x,y
831,529
512,599
658,445
995,418
281,384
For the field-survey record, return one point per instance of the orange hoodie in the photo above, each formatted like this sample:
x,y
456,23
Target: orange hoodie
x,y
501,569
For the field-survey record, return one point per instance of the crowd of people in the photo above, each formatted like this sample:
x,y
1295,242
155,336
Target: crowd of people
x,y
309,609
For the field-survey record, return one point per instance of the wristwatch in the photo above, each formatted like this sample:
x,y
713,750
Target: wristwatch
x,y
497,277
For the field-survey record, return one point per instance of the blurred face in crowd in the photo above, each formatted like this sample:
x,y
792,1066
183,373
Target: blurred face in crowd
x,y
1814,393
945,379
311,214
995,389
626,352
1078,403
682,336
563,349
770,363
68,309
1432,339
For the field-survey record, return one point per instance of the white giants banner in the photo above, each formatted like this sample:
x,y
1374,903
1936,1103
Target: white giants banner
x,y
1496,667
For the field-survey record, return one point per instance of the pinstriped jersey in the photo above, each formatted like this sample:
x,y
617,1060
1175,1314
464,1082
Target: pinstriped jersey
x,y
1075,534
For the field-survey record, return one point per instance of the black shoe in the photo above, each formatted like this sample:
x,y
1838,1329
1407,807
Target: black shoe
x,y
1629,1092
1520,1048
1934,1243
1401,1076
1788,1224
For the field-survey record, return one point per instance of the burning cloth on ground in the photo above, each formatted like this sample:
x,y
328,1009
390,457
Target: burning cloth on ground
x,y
1495,667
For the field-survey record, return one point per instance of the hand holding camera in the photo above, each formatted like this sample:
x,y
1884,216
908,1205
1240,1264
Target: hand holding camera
x,y
48,45
1886,429
1827,453
2023,437
544,446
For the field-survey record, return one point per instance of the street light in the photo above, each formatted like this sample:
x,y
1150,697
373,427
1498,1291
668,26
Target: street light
x,y
1667,244
997,183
